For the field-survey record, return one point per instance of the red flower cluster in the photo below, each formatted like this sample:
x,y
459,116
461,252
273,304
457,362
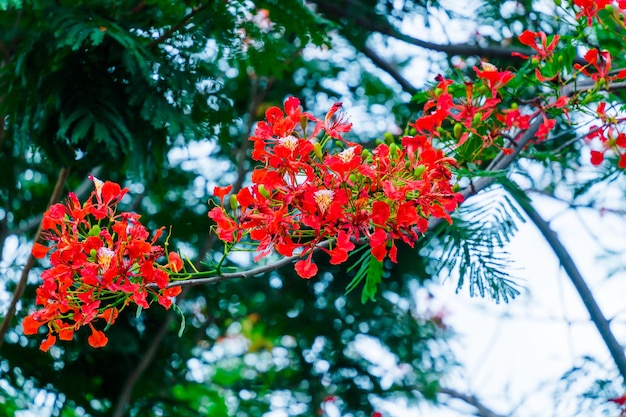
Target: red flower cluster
x,y
611,139
601,62
477,114
101,262
302,196
590,9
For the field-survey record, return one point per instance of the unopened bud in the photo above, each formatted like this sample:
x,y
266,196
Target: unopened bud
x,y
388,138
393,149
458,130
417,172
317,149
477,118
94,231
233,202
365,154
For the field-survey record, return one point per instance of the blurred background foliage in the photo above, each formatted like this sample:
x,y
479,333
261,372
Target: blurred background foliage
x,y
162,96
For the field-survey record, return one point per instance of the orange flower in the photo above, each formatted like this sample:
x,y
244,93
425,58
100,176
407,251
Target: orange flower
x,y
97,338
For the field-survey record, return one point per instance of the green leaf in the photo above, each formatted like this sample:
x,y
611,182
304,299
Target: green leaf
x,y
374,277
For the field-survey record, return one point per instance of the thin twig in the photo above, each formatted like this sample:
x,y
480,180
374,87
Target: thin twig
x,y
481,409
21,286
177,26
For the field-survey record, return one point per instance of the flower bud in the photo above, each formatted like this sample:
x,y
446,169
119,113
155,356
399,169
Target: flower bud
x,y
317,149
477,117
365,154
388,138
393,149
94,231
233,202
458,130
417,172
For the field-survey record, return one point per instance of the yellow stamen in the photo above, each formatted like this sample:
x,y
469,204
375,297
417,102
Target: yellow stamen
x,y
323,198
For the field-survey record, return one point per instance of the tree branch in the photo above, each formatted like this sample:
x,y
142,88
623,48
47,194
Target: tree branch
x,y
569,266
21,286
146,359
375,24
481,409
389,69
177,26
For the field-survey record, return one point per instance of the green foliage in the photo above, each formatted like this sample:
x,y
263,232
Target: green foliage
x,y
473,248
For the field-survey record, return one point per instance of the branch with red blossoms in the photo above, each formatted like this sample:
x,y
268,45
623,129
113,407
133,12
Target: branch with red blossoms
x,y
314,191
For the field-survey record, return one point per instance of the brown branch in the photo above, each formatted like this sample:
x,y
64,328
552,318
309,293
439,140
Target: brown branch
x,y
146,359
227,276
83,189
481,409
177,26
21,286
569,266
389,69
376,24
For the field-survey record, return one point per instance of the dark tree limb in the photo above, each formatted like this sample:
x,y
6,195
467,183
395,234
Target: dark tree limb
x,y
569,266
389,69
374,23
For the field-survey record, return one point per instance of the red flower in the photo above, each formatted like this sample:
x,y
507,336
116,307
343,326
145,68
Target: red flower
x,y
601,61
174,262
590,9
306,268
544,51
335,122
493,78
39,251
597,157
47,343
220,192
97,338
30,325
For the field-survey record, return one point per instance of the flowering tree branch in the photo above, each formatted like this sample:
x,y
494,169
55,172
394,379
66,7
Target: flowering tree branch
x,y
504,161
21,285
